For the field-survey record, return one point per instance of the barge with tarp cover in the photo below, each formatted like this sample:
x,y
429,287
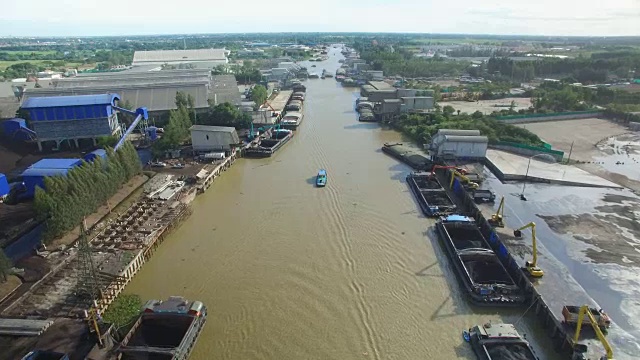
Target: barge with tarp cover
x,y
408,155
498,342
484,278
267,147
166,330
430,195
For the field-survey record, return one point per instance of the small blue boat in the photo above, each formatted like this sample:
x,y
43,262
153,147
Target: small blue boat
x,y
321,178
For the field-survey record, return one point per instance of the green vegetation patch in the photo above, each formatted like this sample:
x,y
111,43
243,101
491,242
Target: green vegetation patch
x,y
124,311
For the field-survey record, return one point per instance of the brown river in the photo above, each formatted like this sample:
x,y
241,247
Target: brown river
x,y
291,271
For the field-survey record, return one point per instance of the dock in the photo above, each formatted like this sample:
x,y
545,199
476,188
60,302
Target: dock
x,y
545,297
280,101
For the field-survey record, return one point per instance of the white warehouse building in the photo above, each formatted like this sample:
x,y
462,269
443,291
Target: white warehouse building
x,y
459,144
198,58
213,138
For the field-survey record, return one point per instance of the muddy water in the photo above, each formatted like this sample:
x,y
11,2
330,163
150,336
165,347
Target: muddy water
x,y
290,271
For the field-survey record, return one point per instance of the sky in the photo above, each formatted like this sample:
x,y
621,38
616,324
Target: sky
x,y
148,17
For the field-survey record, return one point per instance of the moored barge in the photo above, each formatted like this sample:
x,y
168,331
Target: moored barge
x,y
481,273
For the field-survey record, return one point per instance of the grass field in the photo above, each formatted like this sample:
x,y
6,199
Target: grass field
x,y
6,64
45,52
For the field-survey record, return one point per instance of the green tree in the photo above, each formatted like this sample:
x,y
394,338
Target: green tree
x,y
226,114
259,95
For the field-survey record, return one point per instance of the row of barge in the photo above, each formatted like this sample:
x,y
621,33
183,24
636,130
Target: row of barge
x,y
487,272
280,134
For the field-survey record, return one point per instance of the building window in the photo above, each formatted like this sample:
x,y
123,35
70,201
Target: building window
x,y
207,136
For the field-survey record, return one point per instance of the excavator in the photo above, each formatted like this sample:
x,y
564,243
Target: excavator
x,y
497,218
531,266
464,178
580,350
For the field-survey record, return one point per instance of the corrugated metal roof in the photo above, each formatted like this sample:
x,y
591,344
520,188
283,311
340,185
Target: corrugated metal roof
x,y
155,97
56,164
76,100
227,129
178,55
224,88
36,172
458,132
149,77
474,139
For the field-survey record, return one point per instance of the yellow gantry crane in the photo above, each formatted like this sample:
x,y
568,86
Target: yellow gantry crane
x,y
497,218
584,310
531,266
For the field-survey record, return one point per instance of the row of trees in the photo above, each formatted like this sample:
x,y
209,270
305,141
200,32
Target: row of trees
x,y
68,199
562,96
421,127
404,63
595,69
176,131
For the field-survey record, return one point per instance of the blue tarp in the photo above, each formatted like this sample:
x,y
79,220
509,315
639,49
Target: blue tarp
x,y
4,185
493,238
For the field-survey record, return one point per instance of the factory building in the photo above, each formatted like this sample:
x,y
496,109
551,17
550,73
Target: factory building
x,y
213,138
68,118
461,144
34,175
155,90
198,58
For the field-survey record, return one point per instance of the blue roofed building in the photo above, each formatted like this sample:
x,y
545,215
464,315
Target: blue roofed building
x,y
66,118
34,175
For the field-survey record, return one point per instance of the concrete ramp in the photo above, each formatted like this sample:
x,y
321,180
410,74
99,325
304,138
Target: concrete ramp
x,y
512,167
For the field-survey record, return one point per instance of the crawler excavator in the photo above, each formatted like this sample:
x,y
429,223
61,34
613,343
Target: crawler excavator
x,y
497,218
579,350
531,266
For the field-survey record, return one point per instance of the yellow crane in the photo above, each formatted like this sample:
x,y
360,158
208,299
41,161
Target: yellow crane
x,y
497,218
584,310
531,266
465,179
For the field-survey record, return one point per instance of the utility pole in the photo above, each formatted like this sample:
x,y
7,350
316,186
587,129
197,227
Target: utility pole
x,y
88,279
570,150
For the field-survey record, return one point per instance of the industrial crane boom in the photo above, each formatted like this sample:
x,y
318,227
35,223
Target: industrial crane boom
x,y
140,113
584,310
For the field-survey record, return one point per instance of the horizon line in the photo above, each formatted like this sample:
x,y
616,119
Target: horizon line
x,y
315,32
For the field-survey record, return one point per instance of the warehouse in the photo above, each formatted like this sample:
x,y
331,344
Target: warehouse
x,y
199,58
213,138
439,136
460,147
155,90
34,175
68,118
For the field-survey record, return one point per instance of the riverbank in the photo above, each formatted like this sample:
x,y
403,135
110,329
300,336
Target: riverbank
x,y
132,226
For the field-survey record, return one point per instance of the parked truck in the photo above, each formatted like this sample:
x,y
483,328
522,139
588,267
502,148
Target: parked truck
x,y
166,330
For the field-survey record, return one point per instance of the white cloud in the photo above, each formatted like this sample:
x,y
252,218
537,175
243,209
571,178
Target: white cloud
x,y
117,17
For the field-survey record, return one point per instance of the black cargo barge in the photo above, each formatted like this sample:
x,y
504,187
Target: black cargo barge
x,y
431,196
166,330
498,342
479,269
267,147
408,156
